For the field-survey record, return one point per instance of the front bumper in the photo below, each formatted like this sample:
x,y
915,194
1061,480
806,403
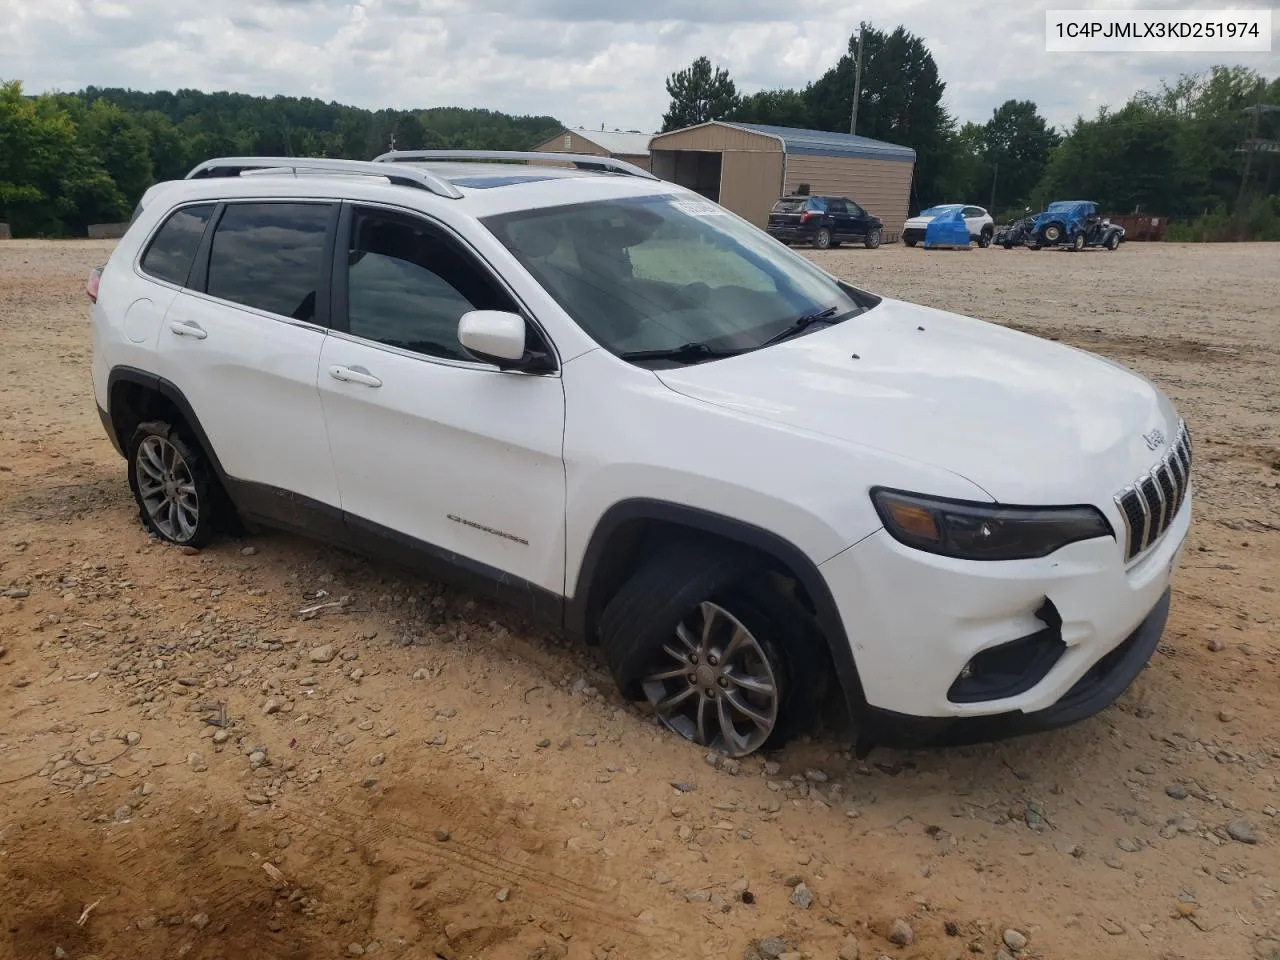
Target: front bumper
x,y
917,620
913,234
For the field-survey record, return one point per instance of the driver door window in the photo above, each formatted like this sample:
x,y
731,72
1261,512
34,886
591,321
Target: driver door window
x,y
409,283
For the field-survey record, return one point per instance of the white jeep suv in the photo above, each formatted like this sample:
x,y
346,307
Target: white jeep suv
x,y
621,407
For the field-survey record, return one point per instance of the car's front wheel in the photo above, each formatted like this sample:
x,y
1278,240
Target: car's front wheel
x,y
721,655
1078,243
909,243
171,484
1113,242
1052,234
873,238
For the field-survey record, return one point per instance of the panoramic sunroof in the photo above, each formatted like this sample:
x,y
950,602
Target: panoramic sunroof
x,y
483,183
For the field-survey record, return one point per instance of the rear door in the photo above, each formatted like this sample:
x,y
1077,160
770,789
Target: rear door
x,y
975,220
838,218
242,344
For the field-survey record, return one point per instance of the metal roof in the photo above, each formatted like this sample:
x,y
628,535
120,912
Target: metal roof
x,y
615,141
827,144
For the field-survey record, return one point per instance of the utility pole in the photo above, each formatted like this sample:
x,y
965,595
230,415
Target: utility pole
x,y
857,82
992,209
1252,146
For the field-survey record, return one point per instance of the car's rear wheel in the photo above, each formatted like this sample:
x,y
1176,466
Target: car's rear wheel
x,y
984,239
873,238
822,239
721,655
171,484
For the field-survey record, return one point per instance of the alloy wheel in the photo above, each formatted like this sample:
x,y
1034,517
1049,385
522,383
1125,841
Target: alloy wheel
x,y
167,489
715,684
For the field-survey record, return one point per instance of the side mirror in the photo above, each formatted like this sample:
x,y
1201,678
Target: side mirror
x,y
498,337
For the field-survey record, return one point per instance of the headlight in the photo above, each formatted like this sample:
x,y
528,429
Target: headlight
x,y
984,531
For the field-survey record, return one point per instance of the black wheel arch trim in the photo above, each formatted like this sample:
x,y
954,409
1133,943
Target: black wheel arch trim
x,y
579,606
168,390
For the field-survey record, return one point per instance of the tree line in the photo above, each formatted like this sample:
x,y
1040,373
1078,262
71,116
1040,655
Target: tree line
x,y
1203,150
70,160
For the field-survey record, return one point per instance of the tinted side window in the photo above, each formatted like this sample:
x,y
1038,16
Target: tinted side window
x,y
173,249
836,206
818,205
269,256
408,285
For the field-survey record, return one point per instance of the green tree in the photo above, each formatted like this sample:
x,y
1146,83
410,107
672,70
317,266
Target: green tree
x,y
49,181
121,142
699,93
780,108
1015,147
900,101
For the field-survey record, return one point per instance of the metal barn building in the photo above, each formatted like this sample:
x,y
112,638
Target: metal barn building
x,y
631,147
747,166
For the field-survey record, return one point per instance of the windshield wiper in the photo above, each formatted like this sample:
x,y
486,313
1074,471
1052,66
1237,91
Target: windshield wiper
x,y
803,323
686,353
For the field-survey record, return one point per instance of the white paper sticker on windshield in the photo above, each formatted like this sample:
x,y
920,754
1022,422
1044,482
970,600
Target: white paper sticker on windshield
x,y
698,208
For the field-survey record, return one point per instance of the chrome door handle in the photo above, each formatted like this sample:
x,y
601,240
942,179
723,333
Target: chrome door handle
x,y
188,328
354,375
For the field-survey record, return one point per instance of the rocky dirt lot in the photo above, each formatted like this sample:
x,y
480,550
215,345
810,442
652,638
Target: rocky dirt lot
x,y
193,766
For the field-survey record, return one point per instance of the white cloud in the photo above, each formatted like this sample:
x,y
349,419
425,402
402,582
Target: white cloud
x,y
582,61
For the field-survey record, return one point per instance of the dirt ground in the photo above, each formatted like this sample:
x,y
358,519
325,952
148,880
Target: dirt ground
x,y
191,768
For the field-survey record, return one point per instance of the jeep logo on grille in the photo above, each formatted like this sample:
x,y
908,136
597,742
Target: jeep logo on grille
x,y
1155,439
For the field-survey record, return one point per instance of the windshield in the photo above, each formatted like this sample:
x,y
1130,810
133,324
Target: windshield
x,y
939,211
665,272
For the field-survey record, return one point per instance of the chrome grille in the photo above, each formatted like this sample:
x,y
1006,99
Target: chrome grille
x,y
1153,500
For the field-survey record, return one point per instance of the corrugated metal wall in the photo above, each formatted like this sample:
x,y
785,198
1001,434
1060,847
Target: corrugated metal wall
x,y
579,145
881,187
557,144
750,182
712,136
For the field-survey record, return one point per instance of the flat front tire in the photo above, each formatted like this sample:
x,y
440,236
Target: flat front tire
x,y
722,657
171,484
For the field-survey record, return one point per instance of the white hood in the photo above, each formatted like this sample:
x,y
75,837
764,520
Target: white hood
x,y
1028,420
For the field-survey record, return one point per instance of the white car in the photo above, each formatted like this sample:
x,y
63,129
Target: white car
x,y
980,223
623,408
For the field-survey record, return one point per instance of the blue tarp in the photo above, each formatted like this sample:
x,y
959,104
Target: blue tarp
x,y
946,230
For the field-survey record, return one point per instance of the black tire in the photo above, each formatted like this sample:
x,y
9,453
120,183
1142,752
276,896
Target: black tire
x,y
644,614
822,239
1052,234
984,239
1078,243
194,524
874,237
909,243
1033,246
1113,242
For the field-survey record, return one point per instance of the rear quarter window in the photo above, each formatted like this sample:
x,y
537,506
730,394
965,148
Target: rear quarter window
x,y
172,250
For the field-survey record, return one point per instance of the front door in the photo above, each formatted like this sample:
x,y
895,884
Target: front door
x,y
439,458
242,345
859,220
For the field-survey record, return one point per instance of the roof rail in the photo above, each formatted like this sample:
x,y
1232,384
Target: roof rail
x,y
582,161
408,177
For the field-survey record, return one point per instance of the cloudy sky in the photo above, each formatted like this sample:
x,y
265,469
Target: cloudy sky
x,y
586,62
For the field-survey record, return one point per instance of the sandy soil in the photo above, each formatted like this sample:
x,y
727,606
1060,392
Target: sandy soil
x,y
187,771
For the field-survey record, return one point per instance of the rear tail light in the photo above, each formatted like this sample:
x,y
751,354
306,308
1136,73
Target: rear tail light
x,y
804,217
91,287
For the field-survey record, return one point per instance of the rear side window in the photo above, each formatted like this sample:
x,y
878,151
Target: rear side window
x,y
269,256
173,249
818,205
